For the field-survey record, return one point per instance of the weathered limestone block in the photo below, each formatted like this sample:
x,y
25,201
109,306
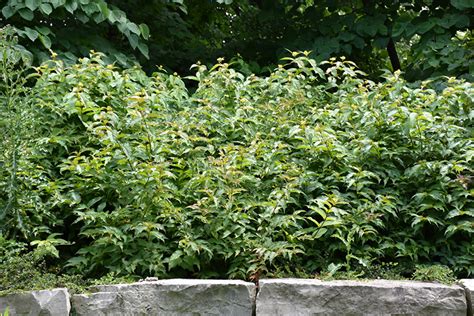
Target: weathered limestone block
x,y
168,297
380,297
468,284
45,303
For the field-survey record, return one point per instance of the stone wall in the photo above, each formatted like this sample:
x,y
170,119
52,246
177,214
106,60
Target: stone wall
x,y
228,297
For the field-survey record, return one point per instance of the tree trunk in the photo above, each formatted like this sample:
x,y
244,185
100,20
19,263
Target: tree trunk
x,y
392,53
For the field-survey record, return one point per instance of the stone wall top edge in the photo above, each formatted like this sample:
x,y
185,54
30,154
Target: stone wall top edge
x,y
58,289
469,283
179,282
199,281
377,283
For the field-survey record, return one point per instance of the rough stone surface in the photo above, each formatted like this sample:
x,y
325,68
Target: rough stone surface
x,y
45,303
168,297
313,297
468,284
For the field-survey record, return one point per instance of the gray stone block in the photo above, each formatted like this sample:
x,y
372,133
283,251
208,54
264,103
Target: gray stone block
x,y
168,297
380,297
468,284
45,303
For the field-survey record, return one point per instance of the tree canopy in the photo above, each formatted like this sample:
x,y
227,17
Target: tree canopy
x,y
420,37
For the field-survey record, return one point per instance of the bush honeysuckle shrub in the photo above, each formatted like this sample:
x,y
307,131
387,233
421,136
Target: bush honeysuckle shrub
x,y
312,168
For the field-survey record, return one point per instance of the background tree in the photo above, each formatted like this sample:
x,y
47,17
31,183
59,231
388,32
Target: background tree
x,y
421,37
74,27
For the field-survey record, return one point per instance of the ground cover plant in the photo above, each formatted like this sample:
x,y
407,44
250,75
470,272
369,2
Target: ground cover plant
x,y
312,169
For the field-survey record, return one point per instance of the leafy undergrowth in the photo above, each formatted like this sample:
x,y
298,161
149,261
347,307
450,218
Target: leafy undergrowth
x,y
312,170
30,271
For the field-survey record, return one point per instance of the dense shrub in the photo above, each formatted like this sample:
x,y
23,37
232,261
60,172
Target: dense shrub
x,y
29,271
303,170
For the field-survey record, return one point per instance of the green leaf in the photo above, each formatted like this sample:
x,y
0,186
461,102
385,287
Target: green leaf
x,y
122,59
32,4
45,40
133,39
463,4
81,16
32,34
320,233
104,9
347,36
462,21
333,268
319,211
71,5
426,26
8,11
358,42
143,48
118,16
133,28
46,8
399,28
380,42
99,18
369,26
111,17
56,3
26,14
175,259
90,9
433,62
76,261
145,31
101,206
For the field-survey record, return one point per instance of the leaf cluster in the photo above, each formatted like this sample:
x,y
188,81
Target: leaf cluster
x,y
74,27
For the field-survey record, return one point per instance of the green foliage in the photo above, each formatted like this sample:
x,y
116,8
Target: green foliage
x,y
382,270
438,273
113,278
443,55
17,123
28,272
309,169
431,37
428,38
10,248
74,27
389,271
